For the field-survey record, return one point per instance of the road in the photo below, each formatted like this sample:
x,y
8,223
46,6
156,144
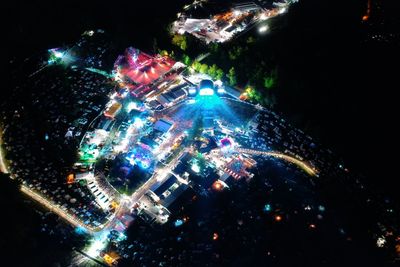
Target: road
x,y
302,164
55,208
160,174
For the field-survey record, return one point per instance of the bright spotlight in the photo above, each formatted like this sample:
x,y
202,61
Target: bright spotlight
x,y
132,105
263,29
98,243
58,54
195,167
138,123
95,247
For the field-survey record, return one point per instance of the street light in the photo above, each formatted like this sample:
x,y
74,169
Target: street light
x,y
263,29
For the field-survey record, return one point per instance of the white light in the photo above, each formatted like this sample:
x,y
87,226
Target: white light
x,y
131,106
236,12
195,168
95,248
221,90
138,123
98,243
206,91
161,156
218,83
263,16
58,54
263,29
192,91
283,10
380,242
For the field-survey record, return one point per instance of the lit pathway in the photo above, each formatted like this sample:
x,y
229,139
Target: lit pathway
x,y
302,164
67,216
50,205
3,167
54,208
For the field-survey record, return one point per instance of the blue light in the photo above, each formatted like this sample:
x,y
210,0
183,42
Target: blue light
x,y
220,90
80,230
140,156
121,237
267,208
208,101
178,223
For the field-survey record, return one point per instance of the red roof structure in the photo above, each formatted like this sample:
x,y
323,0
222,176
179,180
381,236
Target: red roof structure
x,y
142,69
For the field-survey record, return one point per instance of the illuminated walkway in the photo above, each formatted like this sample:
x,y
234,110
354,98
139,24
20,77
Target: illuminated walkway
x,y
43,201
66,215
301,164
3,167
57,210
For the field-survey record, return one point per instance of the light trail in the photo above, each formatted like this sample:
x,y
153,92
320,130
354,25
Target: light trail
x,y
63,214
303,165
3,166
368,13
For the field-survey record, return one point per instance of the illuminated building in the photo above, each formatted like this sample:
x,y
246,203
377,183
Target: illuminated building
x,y
163,126
113,110
206,88
138,70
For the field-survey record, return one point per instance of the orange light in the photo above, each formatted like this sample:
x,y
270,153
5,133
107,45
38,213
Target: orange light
x,y
108,259
243,96
215,236
114,204
70,178
366,16
398,249
278,218
217,185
